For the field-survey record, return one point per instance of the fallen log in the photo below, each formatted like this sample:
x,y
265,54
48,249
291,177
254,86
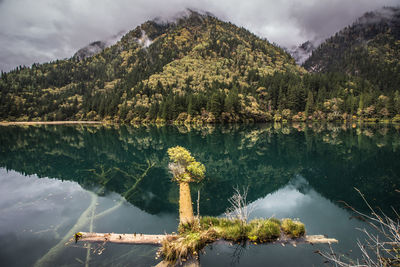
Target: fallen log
x,y
134,239
143,239
319,239
308,239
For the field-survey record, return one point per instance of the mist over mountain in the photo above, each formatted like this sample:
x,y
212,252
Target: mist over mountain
x,y
39,32
302,52
97,46
369,48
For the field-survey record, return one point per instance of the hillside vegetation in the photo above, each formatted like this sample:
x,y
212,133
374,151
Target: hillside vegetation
x,y
370,50
197,69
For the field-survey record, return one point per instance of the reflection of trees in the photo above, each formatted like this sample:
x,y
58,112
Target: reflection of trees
x,y
102,176
138,178
132,160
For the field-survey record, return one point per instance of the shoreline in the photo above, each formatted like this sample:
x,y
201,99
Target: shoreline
x,y
48,122
30,123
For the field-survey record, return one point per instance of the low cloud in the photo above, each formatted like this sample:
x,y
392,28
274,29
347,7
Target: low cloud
x,y
45,30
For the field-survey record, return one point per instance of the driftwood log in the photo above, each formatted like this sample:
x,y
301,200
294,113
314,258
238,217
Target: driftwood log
x,y
142,239
134,239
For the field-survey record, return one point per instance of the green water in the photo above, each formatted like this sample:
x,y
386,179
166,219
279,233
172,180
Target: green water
x,y
50,174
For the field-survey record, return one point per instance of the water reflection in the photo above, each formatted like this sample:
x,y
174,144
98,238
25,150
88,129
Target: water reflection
x,y
132,161
37,213
297,199
298,170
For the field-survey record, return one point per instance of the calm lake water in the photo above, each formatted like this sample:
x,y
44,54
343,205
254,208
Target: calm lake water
x,y
57,180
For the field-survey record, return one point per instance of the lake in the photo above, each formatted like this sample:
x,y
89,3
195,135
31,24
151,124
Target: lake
x,y
60,179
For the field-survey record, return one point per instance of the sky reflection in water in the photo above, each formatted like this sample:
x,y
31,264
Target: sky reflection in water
x,y
289,175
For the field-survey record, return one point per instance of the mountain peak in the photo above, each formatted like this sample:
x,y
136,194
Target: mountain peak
x,y
369,48
146,32
383,14
185,14
97,46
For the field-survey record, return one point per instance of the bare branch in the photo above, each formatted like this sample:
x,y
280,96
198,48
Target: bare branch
x,y
379,249
240,209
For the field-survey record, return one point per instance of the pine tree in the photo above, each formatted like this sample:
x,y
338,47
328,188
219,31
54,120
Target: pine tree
x,y
309,104
153,111
232,101
360,105
164,110
190,105
396,103
216,105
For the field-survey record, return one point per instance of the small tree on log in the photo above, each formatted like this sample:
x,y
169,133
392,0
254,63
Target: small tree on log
x,y
185,169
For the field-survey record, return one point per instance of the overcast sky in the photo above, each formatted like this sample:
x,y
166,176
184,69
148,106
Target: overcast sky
x,y
43,30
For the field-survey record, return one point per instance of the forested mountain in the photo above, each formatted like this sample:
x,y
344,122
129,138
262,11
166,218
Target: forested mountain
x,y
198,64
197,69
370,49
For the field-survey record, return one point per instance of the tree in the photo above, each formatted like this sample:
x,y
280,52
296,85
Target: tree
x,y
153,111
309,104
397,102
190,105
185,169
216,104
232,101
360,105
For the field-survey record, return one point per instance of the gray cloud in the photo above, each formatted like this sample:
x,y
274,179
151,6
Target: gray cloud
x,y
44,30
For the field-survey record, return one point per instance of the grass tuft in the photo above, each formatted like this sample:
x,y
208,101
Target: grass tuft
x,y
187,245
294,229
262,231
193,237
235,233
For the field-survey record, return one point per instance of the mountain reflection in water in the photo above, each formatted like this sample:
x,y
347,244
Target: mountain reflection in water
x,y
299,171
132,161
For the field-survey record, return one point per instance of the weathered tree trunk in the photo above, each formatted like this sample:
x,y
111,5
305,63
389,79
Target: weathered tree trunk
x,y
142,239
135,239
185,204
